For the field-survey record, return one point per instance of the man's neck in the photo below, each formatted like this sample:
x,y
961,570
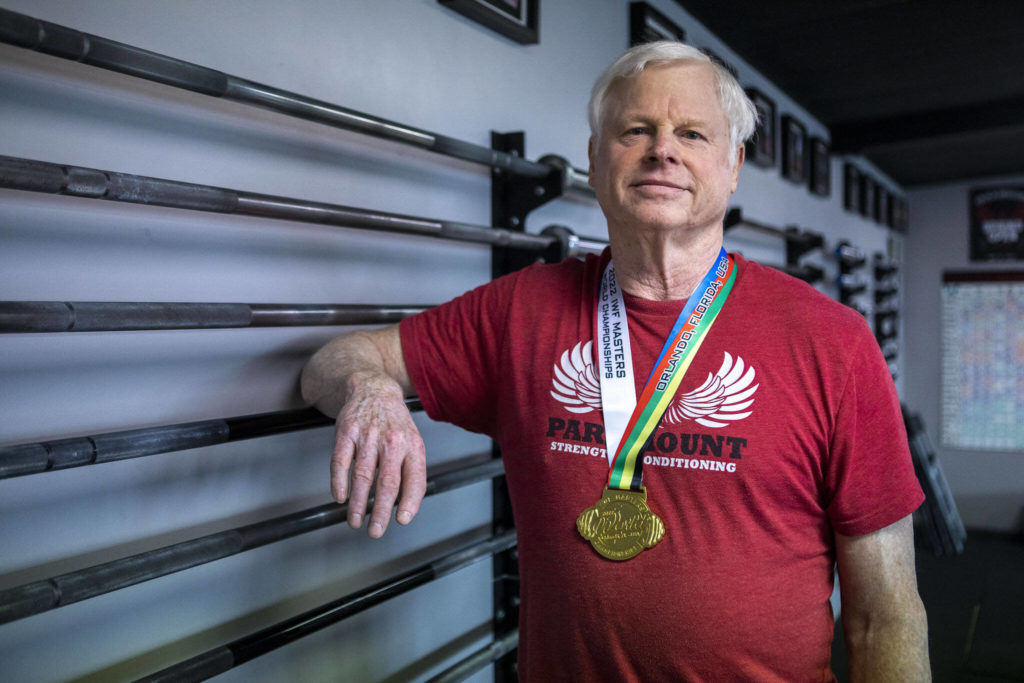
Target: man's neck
x,y
664,266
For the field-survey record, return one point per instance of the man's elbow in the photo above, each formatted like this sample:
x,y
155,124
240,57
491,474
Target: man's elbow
x,y
310,381
907,614
306,382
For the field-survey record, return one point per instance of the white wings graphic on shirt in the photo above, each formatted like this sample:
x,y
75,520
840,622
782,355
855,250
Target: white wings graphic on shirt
x,y
576,380
722,399
724,396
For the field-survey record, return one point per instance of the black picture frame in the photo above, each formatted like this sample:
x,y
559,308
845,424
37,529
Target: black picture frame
x,y
867,195
821,167
897,216
794,150
878,206
884,210
646,25
901,217
761,147
518,20
851,187
996,215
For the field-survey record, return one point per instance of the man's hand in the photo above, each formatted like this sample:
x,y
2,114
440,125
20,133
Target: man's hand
x,y
375,436
361,379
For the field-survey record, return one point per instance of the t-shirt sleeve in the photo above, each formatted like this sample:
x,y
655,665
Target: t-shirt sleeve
x,y
870,474
453,355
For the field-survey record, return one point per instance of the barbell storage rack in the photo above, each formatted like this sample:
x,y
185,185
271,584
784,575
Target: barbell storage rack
x,y
50,178
488,654
58,591
245,649
63,42
60,454
107,316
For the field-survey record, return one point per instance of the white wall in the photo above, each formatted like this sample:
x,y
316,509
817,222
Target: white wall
x,y
413,62
987,485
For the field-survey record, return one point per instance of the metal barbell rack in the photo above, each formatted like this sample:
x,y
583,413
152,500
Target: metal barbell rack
x,y
59,454
552,173
245,649
67,43
58,591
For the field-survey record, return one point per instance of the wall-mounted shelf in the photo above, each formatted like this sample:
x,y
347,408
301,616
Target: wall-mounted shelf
x,y
851,280
798,242
887,309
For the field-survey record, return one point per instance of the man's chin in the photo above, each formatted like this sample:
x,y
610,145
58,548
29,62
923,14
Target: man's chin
x,y
655,225
661,221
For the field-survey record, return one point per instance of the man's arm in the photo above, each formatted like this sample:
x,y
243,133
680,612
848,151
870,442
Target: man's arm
x,y
883,618
361,379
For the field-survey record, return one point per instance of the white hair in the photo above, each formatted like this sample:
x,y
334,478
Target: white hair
x,y
739,110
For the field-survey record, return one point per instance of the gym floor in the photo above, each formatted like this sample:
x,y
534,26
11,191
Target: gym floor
x,y
975,605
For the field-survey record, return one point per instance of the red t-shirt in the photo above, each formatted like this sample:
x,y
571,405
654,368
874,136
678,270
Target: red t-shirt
x,y
739,587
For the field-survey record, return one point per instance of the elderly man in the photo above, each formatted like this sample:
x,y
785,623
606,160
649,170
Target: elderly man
x,y
692,441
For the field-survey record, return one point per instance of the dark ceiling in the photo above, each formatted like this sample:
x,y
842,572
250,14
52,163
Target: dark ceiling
x,y
928,90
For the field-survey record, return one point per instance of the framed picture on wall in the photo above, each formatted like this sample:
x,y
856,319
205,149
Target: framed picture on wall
x,y
900,214
647,24
867,195
897,218
878,208
851,188
884,203
761,147
794,150
821,171
997,223
515,19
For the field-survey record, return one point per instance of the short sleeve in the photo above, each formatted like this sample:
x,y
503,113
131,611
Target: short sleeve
x,y
452,353
870,475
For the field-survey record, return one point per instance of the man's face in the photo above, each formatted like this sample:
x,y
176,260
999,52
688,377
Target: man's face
x,y
661,161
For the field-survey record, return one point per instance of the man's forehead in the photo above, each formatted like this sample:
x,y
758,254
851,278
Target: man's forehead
x,y
690,73
682,77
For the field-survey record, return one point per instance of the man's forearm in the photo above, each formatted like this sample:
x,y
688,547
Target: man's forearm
x,y
890,647
884,620
369,358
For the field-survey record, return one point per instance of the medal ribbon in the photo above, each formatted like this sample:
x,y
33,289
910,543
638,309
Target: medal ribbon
x,y
681,346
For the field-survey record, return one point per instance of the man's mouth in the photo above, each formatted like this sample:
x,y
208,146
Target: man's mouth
x,y
654,183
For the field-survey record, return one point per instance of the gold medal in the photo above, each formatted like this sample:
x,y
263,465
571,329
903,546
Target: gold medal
x,y
621,525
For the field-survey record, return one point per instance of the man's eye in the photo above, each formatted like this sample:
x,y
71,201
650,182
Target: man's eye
x,y
692,135
636,131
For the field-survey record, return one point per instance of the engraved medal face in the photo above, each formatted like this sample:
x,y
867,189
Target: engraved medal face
x,y
621,525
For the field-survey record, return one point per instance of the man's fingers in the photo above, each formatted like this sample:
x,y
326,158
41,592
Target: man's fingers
x,y
389,479
378,442
344,449
414,484
363,468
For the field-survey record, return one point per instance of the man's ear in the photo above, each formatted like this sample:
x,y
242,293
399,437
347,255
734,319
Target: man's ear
x,y
590,161
741,154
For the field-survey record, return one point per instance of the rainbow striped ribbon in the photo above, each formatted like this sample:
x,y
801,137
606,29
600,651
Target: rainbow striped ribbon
x,y
688,333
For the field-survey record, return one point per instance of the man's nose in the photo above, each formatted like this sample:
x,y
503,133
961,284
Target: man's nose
x,y
664,148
